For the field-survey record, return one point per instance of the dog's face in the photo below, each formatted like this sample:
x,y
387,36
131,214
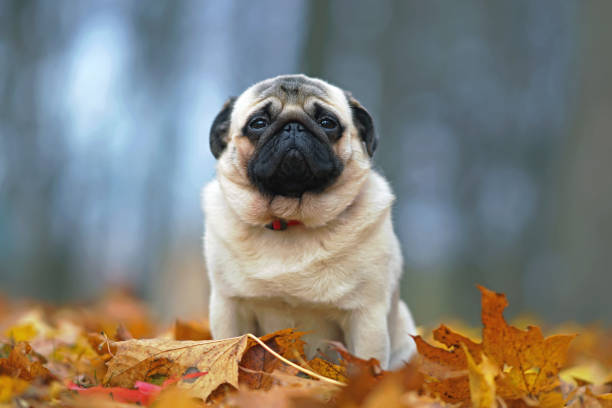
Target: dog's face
x,y
292,142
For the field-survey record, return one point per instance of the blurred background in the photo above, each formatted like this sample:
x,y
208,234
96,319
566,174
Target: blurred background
x,y
494,116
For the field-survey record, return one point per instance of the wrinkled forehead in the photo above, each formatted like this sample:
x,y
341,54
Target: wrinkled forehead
x,y
289,92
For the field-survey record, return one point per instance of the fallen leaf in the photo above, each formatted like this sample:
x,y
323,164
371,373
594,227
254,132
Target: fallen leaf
x,y
142,359
257,361
328,369
523,350
355,365
288,391
387,394
551,399
21,364
362,384
122,333
482,380
453,369
526,363
191,330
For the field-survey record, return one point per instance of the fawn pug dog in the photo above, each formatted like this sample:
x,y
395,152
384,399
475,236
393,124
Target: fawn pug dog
x,y
298,226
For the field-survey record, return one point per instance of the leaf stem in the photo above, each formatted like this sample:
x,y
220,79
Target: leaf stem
x,y
297,367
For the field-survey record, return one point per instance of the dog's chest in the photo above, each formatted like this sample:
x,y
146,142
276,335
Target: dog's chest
x,y
310,282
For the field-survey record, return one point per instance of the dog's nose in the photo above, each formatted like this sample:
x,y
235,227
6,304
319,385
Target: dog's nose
x,y
294,127
294,165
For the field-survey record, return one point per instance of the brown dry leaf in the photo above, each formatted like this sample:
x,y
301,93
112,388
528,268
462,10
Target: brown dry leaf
x,y
527,362
122,333
455,390
20,363
257,361
363,384
143,359
355,365
454,340
441,363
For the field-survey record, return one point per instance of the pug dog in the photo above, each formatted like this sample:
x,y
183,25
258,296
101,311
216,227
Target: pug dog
x,y
298,230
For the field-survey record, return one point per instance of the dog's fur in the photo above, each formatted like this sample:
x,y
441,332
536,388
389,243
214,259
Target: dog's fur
x,y
337,274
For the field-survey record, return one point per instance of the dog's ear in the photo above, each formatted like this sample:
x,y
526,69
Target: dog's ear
x,y
364,123
220,128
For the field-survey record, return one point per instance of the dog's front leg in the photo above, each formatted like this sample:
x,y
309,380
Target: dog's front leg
x,y
228,318
367,335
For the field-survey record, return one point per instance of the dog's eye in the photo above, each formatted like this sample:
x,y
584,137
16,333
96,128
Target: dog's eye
x,y
258,123
328,123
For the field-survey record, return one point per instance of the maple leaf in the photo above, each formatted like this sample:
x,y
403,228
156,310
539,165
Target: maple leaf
x,y
525,351
482,380
328,369
143,359
20,363
509,367
527,363
257,361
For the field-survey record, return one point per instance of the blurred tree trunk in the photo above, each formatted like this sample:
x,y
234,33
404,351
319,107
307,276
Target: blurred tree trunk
x,y
317,38
35,155
585,222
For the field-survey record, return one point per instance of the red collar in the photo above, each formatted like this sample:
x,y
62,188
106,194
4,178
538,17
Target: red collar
x,y
280,225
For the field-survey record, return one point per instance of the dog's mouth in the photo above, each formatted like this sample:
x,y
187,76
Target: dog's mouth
x,y
292,162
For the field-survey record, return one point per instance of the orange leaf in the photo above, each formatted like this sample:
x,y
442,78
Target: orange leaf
x,y
454,340
21,364
527,364
191,330
525,350
257,361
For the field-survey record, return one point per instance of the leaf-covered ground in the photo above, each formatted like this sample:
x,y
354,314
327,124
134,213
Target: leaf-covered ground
x,y
112,354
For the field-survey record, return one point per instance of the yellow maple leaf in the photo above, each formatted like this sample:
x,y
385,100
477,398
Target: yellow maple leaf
x,y
482,380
